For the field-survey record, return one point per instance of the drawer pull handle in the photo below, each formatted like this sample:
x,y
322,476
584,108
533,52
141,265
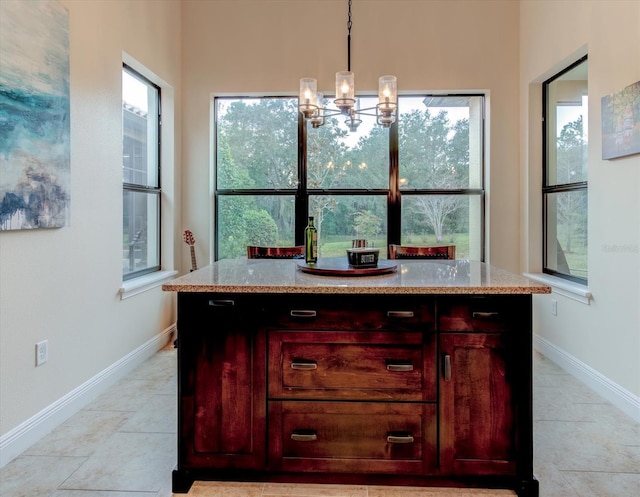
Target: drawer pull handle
x,y
485,315
400,439
221,303
304,436
400,314
304,366
447,367
399,367
298,313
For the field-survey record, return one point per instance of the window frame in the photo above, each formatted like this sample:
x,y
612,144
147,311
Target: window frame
x,y
156,189
551,189
393,192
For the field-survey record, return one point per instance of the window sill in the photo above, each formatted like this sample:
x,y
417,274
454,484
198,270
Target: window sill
x,y
139,285
561,286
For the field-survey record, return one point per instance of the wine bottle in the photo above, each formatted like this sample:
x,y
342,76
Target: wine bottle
x,y
310,242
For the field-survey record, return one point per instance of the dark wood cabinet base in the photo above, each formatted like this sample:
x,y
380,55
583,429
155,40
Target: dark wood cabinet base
x,y
184,479
431,391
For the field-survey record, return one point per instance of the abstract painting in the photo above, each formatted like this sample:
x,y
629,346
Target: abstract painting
x,y
621,123
34,115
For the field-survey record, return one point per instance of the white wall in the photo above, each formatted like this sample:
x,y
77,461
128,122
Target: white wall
x,y
62,284
601,339
256,46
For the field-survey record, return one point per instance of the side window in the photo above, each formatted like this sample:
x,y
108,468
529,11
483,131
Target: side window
x,y
564,189
140,175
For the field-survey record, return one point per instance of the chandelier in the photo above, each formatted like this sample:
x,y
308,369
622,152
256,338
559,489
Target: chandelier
x,y
310,102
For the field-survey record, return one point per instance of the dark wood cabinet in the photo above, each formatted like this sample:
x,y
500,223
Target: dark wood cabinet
x,y
485,387
221,383
477,431
395,389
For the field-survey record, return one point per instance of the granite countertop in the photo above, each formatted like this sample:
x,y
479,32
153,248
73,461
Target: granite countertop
x,y
458,276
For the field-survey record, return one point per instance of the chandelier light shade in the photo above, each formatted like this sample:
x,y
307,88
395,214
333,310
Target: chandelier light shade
x,y
387,99
345,91
308,99
310,102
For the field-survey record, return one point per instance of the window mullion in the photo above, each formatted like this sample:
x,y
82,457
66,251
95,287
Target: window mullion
x,y
302,198
394,199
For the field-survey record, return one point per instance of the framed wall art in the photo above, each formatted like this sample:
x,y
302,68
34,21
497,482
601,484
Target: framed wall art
x,y
621,123
34,115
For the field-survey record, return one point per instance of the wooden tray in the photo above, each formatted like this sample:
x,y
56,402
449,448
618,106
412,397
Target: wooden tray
x,y
339,266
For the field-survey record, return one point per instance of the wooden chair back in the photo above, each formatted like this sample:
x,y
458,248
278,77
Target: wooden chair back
x,y
407,252
256,252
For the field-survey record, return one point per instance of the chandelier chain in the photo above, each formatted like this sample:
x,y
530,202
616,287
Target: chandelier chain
x,y
349,39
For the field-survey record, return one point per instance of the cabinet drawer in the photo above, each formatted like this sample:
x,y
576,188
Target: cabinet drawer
x,y
205,302
484,314
356,313
352,365
352,436
199,312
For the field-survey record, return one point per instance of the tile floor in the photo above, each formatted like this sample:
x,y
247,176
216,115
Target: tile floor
x,y
123,445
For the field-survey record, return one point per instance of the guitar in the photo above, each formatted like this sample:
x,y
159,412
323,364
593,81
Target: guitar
x,y
191,241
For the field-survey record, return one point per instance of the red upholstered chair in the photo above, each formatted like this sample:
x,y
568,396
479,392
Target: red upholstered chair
x,y
407,252
255,252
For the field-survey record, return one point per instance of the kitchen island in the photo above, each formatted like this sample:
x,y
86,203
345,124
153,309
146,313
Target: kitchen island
x,y
420,376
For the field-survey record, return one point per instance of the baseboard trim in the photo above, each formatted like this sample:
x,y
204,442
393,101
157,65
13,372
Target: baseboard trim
x,y
16,441
620,397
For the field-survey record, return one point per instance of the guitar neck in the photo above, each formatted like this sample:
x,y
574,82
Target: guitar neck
x,y
193,258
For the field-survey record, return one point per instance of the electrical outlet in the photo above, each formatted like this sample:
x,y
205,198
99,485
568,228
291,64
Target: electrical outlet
x,y
42,352
554,307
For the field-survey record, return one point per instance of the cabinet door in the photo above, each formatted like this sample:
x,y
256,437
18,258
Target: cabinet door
x,y
222,388
476,404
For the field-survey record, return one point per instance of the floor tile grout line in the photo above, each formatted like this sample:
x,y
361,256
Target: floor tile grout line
x,y
597,472
585,421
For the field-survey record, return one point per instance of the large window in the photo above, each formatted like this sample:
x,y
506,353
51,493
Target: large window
x,y
140,175
564,190
419,182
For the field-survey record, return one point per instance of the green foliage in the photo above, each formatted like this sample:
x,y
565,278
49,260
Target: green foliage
x,y
232,239
242,225
572,153
434,155
571,166
262,135
367,224
231,210
260,228
230,176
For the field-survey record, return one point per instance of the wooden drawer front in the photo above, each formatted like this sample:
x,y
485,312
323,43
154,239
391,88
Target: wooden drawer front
x,y
352,436
356,313
484,314
214,302
202,312
356,365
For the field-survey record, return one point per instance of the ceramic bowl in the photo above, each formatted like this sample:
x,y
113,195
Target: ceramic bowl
x,y
363,257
